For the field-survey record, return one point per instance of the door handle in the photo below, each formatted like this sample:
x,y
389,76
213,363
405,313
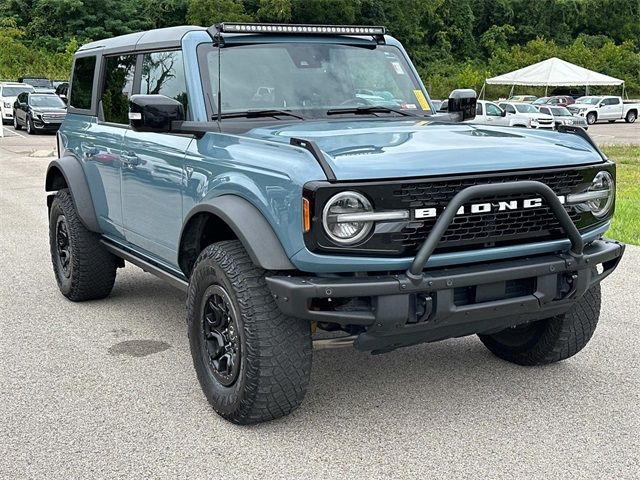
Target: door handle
x,y
130,159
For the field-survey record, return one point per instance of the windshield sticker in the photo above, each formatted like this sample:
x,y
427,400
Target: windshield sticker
x,y
422,100
408,106
398,68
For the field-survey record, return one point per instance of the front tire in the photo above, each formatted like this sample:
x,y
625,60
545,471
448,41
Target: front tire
x,y
551,340
631,117
592,118
16,125
84,269
253,363
30,128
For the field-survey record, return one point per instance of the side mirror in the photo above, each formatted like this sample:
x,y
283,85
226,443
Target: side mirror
x,y
462,102
154,113
503,113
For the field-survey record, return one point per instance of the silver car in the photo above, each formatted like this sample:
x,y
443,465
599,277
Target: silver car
x,y
562,116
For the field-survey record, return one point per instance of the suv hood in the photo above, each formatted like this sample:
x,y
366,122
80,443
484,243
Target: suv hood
x,y
383,148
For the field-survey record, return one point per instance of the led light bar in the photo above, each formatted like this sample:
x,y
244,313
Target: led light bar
x,y
304,29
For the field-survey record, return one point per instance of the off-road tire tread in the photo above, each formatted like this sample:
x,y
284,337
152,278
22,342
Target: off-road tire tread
x,y
278,350
561,337
93,267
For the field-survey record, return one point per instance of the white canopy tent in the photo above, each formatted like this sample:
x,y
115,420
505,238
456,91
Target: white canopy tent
x,y
553,72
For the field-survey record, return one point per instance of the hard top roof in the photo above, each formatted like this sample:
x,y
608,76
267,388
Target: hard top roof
x,y
158,38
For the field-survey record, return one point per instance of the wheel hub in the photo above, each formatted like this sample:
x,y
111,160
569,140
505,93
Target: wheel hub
x,y
63,246
221,342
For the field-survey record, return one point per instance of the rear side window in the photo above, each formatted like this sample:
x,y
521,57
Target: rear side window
x,y
82,83
163,73
118,87
478,109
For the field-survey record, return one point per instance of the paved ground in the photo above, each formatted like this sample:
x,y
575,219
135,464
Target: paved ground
x,y
106,389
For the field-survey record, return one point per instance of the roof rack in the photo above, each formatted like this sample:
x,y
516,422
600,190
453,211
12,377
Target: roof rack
x,y
377,32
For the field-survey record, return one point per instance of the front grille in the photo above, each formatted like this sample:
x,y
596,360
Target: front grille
x,y
468,231
53,117
488,229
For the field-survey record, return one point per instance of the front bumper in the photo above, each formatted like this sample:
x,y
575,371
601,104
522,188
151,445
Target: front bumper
x,y
46,124
427,305
449,302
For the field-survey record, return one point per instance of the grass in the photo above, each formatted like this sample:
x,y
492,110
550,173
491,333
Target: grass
x,y
626,221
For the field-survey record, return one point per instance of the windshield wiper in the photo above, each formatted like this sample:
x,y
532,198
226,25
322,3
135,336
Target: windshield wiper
x,y
261,113
370,109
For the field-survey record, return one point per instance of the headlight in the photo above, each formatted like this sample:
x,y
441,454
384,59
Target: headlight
x,y
599,196
7,105
568,121
338,218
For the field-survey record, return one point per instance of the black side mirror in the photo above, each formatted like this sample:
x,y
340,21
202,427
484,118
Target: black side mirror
x,y
503,113
463,103
154,113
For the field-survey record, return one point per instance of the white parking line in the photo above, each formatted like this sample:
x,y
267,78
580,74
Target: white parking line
x,y
12,131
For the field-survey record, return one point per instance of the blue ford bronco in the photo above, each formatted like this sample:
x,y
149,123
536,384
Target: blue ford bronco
x,y
294,178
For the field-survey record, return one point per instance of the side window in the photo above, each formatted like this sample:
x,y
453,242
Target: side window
x,y
614,101
493,110
545,110
82,83
163,73
478,109
118,87
510,109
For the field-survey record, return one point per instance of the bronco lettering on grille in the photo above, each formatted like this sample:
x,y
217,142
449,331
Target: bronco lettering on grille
x,y
487,207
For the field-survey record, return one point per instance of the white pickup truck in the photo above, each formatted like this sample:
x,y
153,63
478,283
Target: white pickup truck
x,y
605,108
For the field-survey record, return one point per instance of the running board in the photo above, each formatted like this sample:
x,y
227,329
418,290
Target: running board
x,y
147,266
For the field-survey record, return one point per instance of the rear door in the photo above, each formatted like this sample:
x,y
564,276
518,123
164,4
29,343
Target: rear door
x,y
611,109
152,167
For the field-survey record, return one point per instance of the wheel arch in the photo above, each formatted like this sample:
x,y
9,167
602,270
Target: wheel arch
x,y
230,217
66,172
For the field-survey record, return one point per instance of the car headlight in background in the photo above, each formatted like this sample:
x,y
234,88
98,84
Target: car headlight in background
x,y
7,105
342,218
568,121
599,196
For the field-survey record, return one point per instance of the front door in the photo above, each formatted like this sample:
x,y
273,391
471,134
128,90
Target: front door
x,y
152,167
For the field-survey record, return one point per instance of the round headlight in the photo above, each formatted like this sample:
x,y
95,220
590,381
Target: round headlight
x,y
341,231
602,183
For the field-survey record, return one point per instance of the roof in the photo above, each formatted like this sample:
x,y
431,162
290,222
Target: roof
x,y
158,38
554,72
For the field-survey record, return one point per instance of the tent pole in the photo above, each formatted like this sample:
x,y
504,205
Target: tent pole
x,y
481,95
511,92
546,90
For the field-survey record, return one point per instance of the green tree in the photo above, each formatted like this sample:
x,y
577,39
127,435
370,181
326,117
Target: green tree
x,y
210,12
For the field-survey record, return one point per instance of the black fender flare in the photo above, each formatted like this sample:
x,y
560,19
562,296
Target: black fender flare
x,y
76,181
251,228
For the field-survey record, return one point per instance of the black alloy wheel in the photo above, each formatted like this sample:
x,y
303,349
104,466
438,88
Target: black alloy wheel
x,y
63,246
220,331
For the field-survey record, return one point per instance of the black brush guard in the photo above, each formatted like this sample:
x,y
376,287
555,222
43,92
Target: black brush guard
x,y
395,319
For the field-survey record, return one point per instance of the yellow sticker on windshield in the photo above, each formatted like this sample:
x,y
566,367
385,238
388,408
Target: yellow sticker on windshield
x,y
422,100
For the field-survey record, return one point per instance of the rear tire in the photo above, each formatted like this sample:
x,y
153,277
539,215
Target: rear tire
x,y
592,118
16,125
631,117
550,340
253,363
84,269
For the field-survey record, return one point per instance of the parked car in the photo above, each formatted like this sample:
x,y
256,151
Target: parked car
x,y
540,101
611,108
40,84
562,116
320,210
9,91
38,112
538,120
522,98
62,90
561,100
488,113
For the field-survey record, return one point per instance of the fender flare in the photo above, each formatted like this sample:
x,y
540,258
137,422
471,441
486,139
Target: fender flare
x,y
251,228
76,181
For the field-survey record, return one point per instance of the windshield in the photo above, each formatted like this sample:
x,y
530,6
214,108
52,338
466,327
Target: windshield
x,y
46,101
312,78
588,100
540,100
15,91
38,82
560,112
526,108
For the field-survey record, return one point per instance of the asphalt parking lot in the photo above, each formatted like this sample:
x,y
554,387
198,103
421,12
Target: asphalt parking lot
x,y
106,389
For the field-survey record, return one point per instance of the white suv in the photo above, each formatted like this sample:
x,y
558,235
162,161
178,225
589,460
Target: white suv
x,y
8,94
489,113
538,120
